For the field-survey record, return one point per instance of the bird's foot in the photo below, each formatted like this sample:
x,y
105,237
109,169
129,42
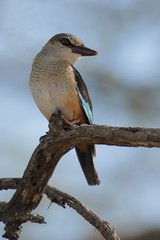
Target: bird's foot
x,y
68,124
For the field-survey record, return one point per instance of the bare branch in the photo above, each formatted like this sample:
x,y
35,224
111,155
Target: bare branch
x,y
52,147
116,136
102,226
9,183
61,199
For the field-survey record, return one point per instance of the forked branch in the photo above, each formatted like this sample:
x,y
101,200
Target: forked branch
x,y
41,166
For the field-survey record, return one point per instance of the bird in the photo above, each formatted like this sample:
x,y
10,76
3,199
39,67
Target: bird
x,y
56,84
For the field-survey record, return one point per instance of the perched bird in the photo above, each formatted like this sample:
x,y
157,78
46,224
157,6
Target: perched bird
x,y
56,84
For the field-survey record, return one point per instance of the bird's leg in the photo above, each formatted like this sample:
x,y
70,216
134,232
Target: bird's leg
x,y
70,123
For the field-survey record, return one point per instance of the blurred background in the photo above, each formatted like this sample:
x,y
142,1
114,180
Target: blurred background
x,y
124,84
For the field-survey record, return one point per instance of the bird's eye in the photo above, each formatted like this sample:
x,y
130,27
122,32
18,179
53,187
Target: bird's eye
x,y
65,41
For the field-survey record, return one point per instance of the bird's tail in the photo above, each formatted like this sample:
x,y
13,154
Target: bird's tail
x,y
85,156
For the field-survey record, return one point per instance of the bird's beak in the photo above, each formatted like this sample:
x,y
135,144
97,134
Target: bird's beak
x,y
83,51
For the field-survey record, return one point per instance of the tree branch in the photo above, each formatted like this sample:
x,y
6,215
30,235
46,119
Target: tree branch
x,y
61,199
102,226
52,147
115,136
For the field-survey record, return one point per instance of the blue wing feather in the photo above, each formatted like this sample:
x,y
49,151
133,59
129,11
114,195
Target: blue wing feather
x,y
86,107
83,96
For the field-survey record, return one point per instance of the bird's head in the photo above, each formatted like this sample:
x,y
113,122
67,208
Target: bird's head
x,y
68,47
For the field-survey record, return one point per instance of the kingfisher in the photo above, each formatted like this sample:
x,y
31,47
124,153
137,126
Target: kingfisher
x,y
56,84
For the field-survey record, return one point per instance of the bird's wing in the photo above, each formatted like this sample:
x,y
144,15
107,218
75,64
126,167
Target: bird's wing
x,y
84,96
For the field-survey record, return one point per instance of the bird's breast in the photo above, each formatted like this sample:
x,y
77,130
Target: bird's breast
x,y
54,90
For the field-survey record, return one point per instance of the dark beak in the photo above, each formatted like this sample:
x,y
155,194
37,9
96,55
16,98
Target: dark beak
x,y
83,51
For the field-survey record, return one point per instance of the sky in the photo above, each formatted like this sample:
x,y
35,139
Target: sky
x,y
124,85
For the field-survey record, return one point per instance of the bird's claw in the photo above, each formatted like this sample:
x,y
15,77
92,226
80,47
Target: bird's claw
x,y
70,123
